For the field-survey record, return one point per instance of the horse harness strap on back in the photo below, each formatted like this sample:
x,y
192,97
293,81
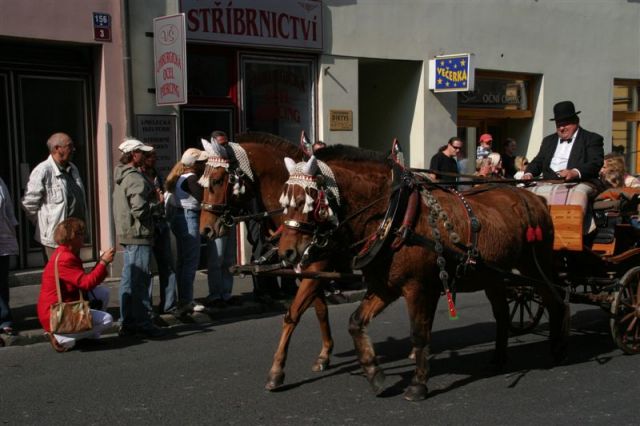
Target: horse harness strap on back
x,y
399,206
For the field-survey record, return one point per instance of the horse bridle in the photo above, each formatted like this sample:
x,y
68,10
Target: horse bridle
x,y
224,210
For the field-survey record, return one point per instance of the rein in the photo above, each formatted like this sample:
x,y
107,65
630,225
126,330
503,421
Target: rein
x,y
473,179
257,216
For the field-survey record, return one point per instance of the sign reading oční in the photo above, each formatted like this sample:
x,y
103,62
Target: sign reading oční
x,y
170,59
277,23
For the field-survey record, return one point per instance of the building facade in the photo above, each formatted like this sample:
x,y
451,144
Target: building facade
x,y
350,72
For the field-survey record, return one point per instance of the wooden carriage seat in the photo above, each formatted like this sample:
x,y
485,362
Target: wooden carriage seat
x,y
567,225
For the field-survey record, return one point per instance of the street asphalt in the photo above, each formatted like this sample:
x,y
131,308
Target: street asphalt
x,y
27,329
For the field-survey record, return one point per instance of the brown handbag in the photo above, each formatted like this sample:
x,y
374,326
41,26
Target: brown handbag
x,y
69,317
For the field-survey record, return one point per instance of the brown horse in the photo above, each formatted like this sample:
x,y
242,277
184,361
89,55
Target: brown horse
x,y
265,153
505,215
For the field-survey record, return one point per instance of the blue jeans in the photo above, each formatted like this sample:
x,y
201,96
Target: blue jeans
x,y
134,287
5,312
166,274
222,255
185,226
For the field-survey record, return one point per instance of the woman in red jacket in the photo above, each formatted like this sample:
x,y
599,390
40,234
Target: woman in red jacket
x,y
69,234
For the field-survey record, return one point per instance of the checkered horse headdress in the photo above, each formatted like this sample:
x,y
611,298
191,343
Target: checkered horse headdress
x,y
225,156
305,175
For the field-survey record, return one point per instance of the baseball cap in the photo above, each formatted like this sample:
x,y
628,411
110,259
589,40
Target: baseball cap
x,y
192,155
486,137
130,145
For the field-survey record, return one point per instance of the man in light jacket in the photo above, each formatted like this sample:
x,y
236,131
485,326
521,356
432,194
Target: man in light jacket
x,y
54,192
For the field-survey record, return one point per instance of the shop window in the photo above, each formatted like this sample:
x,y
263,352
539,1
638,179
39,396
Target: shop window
x,y
211,74
626,121
278,95
497,95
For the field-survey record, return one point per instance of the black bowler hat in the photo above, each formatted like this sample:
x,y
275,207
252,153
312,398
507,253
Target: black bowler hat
x,y
564,111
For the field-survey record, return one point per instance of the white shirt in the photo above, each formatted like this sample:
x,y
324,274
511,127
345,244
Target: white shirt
x,y
560,158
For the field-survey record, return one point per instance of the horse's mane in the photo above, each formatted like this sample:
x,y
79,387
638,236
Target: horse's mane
x,y
270,139
351,153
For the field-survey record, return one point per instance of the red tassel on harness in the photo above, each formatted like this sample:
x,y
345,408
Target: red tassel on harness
x,y
453,314
538,233
531,234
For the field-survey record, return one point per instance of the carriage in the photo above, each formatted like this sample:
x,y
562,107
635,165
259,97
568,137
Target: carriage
x,y
602,269
404,237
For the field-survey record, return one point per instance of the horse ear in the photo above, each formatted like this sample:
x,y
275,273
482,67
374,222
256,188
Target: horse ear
x,y
311,166
207,146
290,164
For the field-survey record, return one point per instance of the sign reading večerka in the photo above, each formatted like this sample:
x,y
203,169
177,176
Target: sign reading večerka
x,y
290,24
170,60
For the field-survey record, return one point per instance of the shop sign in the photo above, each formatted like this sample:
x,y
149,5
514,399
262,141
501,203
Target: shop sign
x,y
451,73
270,23
159,131
101,26
496,93
340,119
170,60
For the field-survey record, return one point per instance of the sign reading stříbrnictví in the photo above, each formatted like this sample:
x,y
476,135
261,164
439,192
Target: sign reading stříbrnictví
x,y
274,23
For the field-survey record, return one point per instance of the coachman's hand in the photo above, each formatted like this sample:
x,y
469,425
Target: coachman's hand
x,y
569,174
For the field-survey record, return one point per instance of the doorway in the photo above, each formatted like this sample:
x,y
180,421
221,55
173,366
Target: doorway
x,y
198,123
38,97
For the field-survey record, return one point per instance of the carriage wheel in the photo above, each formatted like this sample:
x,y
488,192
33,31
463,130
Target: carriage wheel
x,y
525,309
625,310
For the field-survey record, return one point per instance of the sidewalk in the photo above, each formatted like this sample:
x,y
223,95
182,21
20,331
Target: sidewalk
x,y
25,297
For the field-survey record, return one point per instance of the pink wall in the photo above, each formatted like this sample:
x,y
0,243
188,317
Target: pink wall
x,y
72,21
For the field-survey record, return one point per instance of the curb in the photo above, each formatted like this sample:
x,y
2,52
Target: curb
x,y
247,309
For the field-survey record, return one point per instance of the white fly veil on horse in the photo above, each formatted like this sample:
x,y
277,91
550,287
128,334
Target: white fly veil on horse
x,y
224,156
304,175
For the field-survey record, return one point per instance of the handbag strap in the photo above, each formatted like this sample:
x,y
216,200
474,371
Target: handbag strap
x,y
58,281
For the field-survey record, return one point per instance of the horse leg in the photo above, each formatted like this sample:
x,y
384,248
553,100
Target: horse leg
x,y
322,312
559,311
303,299
559,324
497,296
370,306
422,308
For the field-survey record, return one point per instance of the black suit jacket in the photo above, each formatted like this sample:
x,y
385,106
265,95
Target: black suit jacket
x,y
587,155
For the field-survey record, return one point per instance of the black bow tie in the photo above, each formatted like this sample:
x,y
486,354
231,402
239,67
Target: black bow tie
x,y
565,140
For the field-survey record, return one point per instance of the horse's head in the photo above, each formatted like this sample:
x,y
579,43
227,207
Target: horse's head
x,y
308,216
225,181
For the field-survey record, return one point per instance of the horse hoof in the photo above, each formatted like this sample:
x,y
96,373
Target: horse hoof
x,y
498,362
415,393
560,357
377,382
321,364
274,381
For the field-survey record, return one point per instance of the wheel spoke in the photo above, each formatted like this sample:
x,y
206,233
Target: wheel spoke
x,y
632,324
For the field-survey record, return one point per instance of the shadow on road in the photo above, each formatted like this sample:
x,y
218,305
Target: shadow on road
x,y
466,352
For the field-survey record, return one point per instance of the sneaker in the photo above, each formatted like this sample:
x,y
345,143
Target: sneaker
x,y
152,332
197,307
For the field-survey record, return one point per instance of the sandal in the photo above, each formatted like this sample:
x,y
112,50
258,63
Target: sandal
x,y
55,344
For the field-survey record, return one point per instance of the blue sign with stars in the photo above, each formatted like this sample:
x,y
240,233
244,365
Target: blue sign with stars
x,y
452,73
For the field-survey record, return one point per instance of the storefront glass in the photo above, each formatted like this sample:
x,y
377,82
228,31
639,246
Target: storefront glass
x,y
278,96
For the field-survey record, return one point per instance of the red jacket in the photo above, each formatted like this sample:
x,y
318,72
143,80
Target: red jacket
x,y
72,278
